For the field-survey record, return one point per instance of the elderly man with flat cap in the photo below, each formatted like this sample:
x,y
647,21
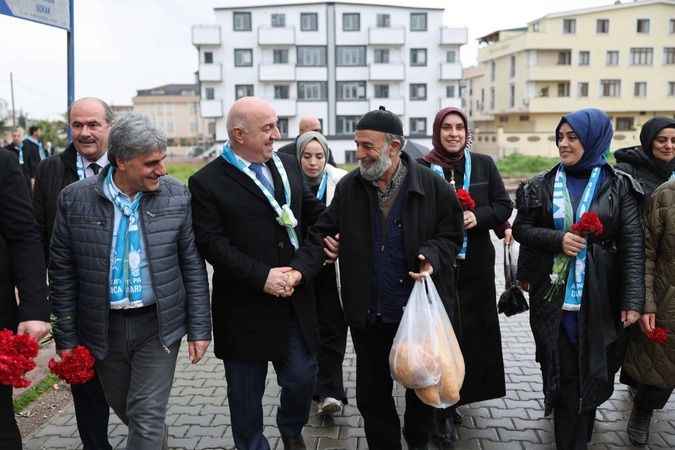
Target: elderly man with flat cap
x,y
397,222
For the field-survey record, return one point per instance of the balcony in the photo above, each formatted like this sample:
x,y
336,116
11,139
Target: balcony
x,y
386,36
206,35
352,108
276,72
453,36
210,72
386,72
452,102
276,36
551,72
311,73
211,108
395,105
451,71
284,108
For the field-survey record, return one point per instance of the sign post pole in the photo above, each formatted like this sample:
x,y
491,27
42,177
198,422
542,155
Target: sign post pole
x,y
71,60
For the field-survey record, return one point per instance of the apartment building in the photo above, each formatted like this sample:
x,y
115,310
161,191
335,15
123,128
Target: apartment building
x,y
332,60
619,58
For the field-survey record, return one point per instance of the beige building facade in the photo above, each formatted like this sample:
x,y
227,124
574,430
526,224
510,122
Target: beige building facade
x,y
619,58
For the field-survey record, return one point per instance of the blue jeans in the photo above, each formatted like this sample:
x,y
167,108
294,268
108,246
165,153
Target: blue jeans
x,y
246,385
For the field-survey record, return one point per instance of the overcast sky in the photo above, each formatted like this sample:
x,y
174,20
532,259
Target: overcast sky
x,y
125,45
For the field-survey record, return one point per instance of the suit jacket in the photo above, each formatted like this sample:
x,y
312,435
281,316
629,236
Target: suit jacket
x,y
31,158
237,232
22,262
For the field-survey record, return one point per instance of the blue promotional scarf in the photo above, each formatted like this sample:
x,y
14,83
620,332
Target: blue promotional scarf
x,y
21,154
41,150
323,186
126,284
466,185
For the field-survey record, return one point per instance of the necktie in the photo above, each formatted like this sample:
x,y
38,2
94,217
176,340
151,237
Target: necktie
x,y
257,168
95,168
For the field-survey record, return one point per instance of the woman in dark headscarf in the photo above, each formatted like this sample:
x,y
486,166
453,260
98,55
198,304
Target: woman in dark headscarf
x,y
476,320
579,328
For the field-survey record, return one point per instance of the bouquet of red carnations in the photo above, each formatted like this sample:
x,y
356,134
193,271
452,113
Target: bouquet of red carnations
x,y
17,352
76,366
658,335
465,200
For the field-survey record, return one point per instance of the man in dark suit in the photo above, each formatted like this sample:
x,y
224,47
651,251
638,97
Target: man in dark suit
x,y
248,208
307,123
33,152
22,265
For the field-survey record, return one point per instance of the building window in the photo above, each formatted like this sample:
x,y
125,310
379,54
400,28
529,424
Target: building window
x,y
564,89
311,56
210,93
451,56
512,66
351,56
351,90
278,20
482,99
565,58
418,91
280,56
241,21
643,26
512,95
492,98
669,55
243,57
418,21
584,58
418,126
418,56
493,70
312,90
381,55
641,56
625,123
346,124
282,125
524,118
351,22
536,26
381,91
569,26
208,57
671,26
450,91
243,90
383,21
610,88
640,89
612,57
602,26
543,92
582,89
671,88
309,22
281,91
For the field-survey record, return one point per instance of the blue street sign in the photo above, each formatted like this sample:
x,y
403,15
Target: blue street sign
x,y
55,13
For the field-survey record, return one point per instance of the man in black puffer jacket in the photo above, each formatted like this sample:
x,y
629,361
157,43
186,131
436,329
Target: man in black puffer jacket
x,y
131,311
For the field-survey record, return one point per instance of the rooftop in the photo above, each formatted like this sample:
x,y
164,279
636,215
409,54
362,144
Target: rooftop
x,y
412,5
170,90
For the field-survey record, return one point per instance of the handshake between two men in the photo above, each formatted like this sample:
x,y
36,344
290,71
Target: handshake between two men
x,y
282,281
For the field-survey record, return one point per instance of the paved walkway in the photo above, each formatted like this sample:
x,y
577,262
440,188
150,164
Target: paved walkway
x,y
198,415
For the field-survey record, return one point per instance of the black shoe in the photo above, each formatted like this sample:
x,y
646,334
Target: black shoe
x,y
638,426
293,443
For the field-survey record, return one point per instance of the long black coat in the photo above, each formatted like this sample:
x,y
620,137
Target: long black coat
x,y
477,320
614,281
22,262
237,232
31,158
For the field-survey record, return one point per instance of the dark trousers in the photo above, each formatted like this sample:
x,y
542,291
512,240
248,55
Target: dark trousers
x,y
10,438
333,336
649,398
246,385
573,429
374,393
92,414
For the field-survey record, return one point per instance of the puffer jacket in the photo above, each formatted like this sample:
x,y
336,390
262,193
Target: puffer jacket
x,y
647,171
614,281
79,266
646,361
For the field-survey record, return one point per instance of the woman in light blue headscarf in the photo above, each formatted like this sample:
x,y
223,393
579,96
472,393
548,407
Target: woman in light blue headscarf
x,y
579,327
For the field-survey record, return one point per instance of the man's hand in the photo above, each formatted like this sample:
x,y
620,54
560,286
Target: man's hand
x,y
196,350
331,247
36,328
425,269
277,281
572,244
470,220
648,323
628,318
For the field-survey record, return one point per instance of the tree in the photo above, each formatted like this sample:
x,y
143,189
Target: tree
x,y
53,131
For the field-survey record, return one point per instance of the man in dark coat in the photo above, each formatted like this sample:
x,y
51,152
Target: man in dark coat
x,y
89,120
15,147
397,222
308,123
33,152
22,265
249,207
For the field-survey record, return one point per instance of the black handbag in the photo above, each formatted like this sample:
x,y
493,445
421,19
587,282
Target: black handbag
x,y
512,301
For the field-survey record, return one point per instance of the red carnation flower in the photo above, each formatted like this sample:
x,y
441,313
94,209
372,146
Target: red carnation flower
x,y
76,366
465,199
16,358
589,225
658,335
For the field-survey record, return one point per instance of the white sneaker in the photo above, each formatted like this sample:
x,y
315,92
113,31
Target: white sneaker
x,y
330,406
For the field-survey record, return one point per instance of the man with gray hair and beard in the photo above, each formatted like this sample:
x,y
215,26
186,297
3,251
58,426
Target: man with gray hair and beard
x,y
398,222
